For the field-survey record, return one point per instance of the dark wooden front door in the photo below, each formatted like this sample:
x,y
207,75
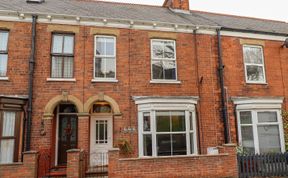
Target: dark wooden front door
x,y
67,136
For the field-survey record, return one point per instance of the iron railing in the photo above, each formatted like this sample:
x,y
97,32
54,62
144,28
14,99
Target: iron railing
x,y
97,163
262,165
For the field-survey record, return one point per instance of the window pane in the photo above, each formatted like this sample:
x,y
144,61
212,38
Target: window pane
x,y
245,117
192,143
110,46
191,120
179,144
169,70
68,44
8,124
3,65
100,46
68,67
267,117
158,49
147,145
67,108
6,151
3,41
253,55
56,71
57,44
101,132
146,122
169,51
99,68
255,73
178,121
157,69
110,68
269,139
247,139
163,121
164,145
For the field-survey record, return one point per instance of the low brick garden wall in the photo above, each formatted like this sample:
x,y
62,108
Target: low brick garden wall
x,y
203,166
27,169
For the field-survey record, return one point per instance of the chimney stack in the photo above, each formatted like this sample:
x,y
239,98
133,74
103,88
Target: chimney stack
x,y
177,4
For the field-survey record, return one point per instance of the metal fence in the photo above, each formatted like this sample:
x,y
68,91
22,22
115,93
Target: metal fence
x,y
258,165
97,163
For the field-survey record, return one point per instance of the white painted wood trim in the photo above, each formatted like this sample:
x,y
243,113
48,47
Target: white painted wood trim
x,y
165,81
104,81
61,80
4,78
57,135
125,23
253,35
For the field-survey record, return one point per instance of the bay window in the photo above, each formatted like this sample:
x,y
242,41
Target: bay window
x,y
260,127
166,129
9,136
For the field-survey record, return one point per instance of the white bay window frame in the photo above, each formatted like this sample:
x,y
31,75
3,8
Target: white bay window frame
x,y
255,106
167,104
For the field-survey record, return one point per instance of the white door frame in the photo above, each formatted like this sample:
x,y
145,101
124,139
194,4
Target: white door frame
x,y
109,145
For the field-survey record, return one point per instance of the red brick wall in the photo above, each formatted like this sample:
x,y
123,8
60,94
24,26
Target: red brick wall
x,y
19,45
75,164
208,166
27,169
275,58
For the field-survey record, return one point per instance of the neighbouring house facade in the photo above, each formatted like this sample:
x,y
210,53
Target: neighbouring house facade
x,y
172,88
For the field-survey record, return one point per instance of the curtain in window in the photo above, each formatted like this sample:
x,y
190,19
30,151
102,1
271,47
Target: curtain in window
x,y
3,41
7,145
3,65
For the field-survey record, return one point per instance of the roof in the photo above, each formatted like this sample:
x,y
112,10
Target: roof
x,y
136,12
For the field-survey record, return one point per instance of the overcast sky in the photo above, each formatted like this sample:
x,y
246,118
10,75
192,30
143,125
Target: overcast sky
x,y
267,9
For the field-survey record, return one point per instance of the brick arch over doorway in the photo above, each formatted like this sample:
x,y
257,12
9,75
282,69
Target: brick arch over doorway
x,y
111,101
50,106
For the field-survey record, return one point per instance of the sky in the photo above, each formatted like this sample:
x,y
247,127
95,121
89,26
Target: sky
x,y
267,9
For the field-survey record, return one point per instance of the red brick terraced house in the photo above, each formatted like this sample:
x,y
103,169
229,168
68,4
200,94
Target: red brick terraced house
x,y
91,88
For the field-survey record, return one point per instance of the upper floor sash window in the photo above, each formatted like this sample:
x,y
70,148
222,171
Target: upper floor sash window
x,y
105,58
62,64
163,56
3,53
254,64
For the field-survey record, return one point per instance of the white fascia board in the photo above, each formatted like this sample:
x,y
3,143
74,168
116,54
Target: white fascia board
x,y
253,35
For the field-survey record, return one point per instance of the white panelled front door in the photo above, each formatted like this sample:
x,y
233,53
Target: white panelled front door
x,y
101,134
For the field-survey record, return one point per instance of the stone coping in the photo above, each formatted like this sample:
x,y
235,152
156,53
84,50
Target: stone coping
x,y
174,157
74,150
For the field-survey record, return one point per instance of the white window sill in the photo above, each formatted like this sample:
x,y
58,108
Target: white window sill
x,y
61,80
165,81
104,81
257,83
4,78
